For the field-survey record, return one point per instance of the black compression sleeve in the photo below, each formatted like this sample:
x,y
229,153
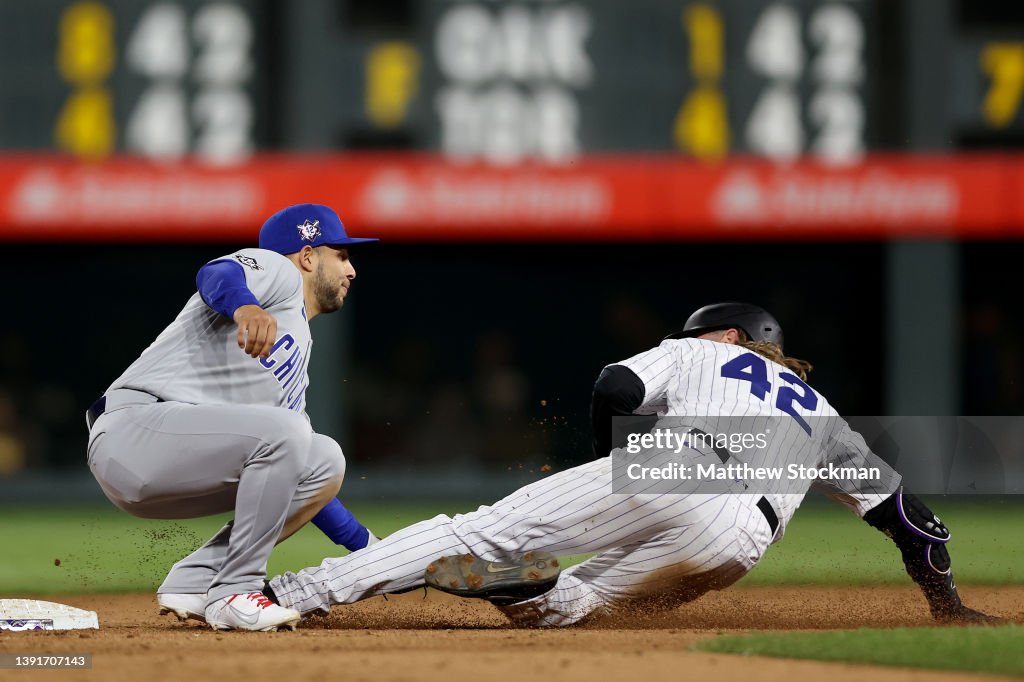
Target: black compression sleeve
x,y
617,392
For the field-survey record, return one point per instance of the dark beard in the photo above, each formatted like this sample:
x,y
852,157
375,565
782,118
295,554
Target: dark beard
x,y
326,295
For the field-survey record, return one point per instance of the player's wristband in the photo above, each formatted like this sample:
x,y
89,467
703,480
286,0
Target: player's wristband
x,y
222,286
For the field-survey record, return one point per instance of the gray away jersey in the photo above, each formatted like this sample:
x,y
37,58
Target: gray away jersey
x,y
721,387
196,359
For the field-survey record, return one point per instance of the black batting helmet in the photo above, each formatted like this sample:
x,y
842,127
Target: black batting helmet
x,y
757,322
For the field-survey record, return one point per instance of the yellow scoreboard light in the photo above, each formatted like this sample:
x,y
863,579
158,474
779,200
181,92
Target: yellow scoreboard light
x,y
1003,65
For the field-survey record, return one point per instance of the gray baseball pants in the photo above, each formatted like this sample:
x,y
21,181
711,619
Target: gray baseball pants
x,y
170,460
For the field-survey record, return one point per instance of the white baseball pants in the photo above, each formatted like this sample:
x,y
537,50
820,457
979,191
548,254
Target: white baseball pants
x,y
657,549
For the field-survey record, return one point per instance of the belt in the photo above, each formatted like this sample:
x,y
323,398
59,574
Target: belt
x,y
763,504
115,400
769,514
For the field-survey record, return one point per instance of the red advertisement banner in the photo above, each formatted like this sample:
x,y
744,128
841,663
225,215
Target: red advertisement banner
x,y
607,198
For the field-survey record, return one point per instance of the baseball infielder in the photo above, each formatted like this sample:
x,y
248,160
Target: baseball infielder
x,y
657,549
197,426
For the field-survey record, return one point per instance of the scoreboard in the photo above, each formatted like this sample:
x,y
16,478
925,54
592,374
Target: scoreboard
x,y
504,81
507,81
498,119
703,79
987,75
160,80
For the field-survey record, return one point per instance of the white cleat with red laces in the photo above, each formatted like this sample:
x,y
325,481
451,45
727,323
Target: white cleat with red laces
x,y
251,611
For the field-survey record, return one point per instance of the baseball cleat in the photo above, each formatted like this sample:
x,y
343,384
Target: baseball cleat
x,y
183,606
251,611
968,616
500,583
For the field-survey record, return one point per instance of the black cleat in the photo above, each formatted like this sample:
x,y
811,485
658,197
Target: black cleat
x,y
500,583
968,616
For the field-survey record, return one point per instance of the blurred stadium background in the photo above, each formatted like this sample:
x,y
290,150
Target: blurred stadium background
x,y
557,185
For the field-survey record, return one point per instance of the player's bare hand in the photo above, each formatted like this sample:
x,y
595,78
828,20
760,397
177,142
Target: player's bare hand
x,y
257,330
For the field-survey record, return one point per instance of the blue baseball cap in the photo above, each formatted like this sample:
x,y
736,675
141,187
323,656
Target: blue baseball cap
x,y
288,230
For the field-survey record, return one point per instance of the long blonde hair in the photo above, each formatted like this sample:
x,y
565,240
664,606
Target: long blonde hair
x,y
773,352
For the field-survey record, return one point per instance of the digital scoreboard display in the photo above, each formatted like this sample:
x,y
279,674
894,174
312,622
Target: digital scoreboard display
x,y
987,84
506,82
500,82
704,79
157,79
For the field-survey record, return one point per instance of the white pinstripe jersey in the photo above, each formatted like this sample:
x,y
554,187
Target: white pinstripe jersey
x,y
697,378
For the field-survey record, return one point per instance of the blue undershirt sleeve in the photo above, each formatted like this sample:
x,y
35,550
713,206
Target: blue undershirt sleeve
x,y
341,526
222,286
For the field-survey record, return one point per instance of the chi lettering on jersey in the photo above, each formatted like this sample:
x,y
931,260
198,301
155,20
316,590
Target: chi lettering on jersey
x,y
288,363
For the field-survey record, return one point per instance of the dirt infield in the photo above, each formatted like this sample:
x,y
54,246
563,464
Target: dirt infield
x,y
431,637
